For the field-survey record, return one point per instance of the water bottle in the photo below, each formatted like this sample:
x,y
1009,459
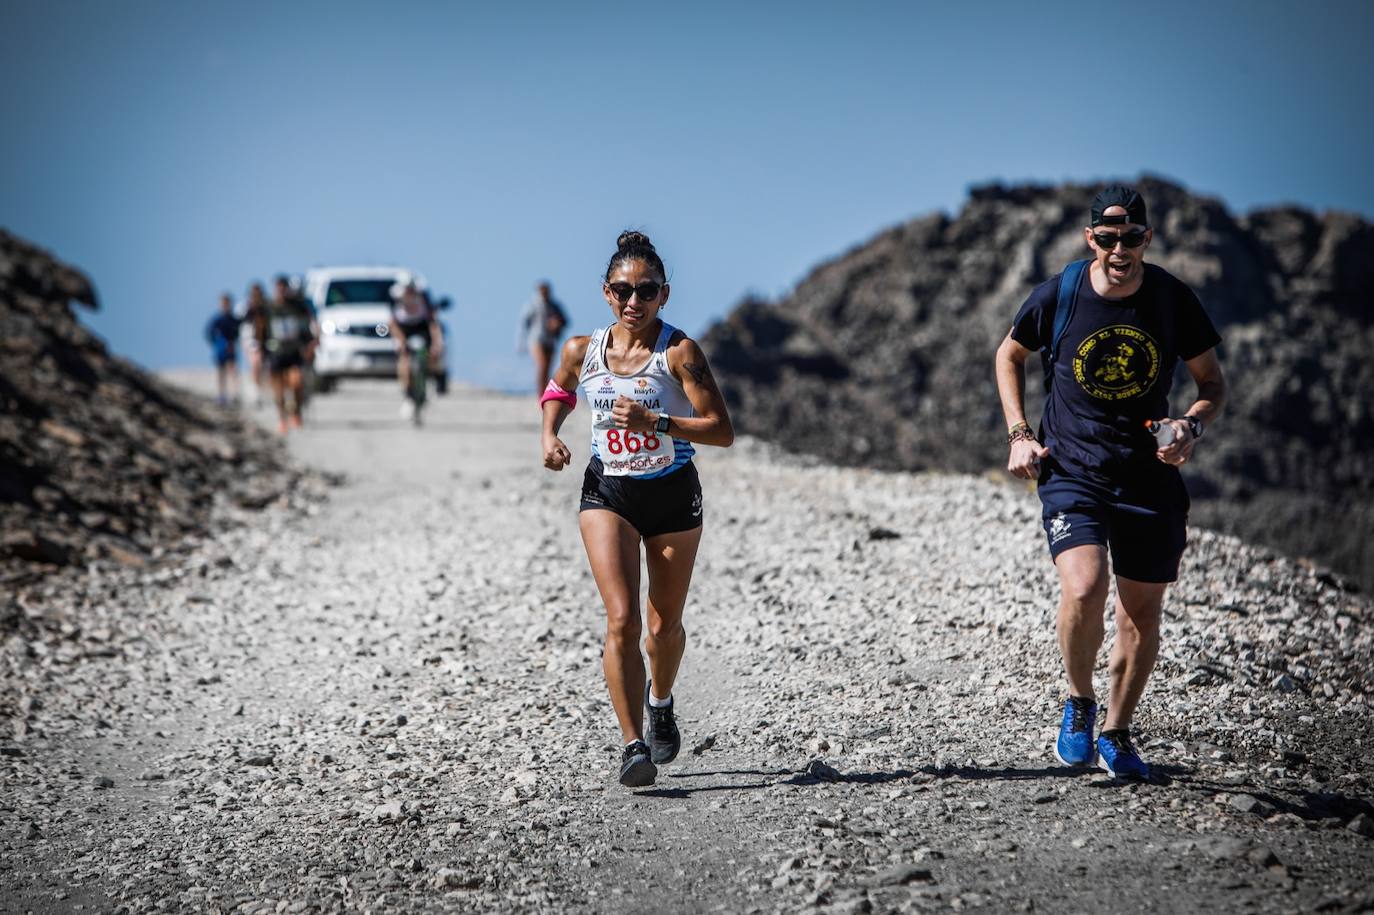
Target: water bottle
x,y
1163,432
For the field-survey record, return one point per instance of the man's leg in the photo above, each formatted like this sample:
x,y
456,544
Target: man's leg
x,y
1138,605
279,394
297,380
1082,601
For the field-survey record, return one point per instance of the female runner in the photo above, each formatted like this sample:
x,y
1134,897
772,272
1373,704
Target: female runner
x,y
652,396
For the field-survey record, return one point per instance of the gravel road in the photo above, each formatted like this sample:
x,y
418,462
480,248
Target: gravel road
x,y
384,694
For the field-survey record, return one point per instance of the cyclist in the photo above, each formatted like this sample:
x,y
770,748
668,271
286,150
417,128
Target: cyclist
x,y
653,396
412,315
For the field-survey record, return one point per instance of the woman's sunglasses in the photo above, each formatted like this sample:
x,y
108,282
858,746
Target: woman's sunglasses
x,y
647,291
1107,240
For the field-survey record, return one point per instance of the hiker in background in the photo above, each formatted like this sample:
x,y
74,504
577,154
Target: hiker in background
x,y
290,345
222,333
1111,330
253,336
541,324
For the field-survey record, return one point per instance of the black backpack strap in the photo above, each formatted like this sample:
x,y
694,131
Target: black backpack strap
x,y
1065,302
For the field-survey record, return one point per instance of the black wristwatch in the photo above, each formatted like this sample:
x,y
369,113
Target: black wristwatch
x,y
661,426
1194,425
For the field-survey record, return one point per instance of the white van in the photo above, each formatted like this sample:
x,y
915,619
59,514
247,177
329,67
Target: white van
x,y
353,308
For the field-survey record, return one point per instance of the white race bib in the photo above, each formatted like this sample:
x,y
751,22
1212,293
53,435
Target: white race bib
x,y
629,454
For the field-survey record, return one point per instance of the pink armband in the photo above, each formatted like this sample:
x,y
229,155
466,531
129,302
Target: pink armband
x,y
554,392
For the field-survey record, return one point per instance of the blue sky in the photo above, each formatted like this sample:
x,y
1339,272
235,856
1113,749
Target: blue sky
x,y
173,150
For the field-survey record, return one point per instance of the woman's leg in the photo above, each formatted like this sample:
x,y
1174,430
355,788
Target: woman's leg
x,y
670,559
613,552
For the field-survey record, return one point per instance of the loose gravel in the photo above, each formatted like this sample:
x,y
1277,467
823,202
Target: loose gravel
x,y
385,695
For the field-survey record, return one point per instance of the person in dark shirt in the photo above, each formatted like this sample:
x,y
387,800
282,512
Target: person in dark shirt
x,y
290,339
222,333
1106,481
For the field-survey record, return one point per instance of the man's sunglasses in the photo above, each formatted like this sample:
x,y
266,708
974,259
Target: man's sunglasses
x,y
647,291
1107,240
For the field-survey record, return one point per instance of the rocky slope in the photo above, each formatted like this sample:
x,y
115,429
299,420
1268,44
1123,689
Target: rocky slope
x,y
100,460
883,356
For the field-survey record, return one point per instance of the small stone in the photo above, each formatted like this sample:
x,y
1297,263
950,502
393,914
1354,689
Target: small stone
x,y
704,744
446,878
1248,803
151,775
103,781
390,812
1224,848
262,760
31,832
1362,825
1048,797
1284,683
819,770
11,751
903,874
1263,856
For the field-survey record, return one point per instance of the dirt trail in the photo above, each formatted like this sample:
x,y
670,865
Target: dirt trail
x,y
392,700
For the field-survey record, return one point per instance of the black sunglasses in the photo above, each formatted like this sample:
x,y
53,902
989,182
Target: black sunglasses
x,y
647,291
1107,240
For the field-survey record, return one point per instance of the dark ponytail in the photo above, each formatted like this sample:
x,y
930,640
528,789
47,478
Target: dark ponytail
x,y
632,245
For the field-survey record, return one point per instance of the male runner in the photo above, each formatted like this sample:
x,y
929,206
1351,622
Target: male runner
x,y
290,342
1104,481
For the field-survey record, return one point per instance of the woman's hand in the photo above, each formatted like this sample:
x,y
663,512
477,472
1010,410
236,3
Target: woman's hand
x,y
628,413
556,454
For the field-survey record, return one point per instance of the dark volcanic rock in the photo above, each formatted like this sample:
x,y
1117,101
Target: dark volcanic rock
x,y
883,357
99,460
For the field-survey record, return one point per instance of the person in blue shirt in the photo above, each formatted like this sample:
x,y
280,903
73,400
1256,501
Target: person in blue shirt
x,y
1111,339
222,333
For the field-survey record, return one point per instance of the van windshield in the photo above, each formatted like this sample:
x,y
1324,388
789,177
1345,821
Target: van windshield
x,y
348,292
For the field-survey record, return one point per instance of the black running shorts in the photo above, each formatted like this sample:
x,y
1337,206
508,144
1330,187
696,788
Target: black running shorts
x,y
658,505
285,359
1146,529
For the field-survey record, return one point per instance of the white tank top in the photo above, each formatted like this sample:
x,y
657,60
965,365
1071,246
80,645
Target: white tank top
x,y
636,454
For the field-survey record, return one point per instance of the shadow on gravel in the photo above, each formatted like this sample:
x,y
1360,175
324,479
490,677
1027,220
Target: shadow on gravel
x,y
1008,774
762,779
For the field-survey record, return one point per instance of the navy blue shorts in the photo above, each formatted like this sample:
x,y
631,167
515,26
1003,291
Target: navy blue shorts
x,y
1145,528
658,505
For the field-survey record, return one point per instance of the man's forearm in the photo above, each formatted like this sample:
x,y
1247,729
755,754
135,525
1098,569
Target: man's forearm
x,y
1211,397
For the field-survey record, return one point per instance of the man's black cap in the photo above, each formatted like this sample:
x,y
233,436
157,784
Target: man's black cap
x,y
1117,196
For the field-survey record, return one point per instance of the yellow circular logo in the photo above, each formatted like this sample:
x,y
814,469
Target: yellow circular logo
x,y
1117,363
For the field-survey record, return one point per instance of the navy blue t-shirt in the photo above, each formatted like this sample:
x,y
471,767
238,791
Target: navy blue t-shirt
x,y
1114,371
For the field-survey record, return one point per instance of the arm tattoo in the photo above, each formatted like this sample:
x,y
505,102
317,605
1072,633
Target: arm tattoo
x,y
701,374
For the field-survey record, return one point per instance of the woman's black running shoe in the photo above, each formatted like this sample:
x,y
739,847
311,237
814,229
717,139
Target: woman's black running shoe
x,y
636,768
664,739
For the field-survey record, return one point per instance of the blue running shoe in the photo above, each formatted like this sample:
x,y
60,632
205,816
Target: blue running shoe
x,y
1075,744
1117,755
